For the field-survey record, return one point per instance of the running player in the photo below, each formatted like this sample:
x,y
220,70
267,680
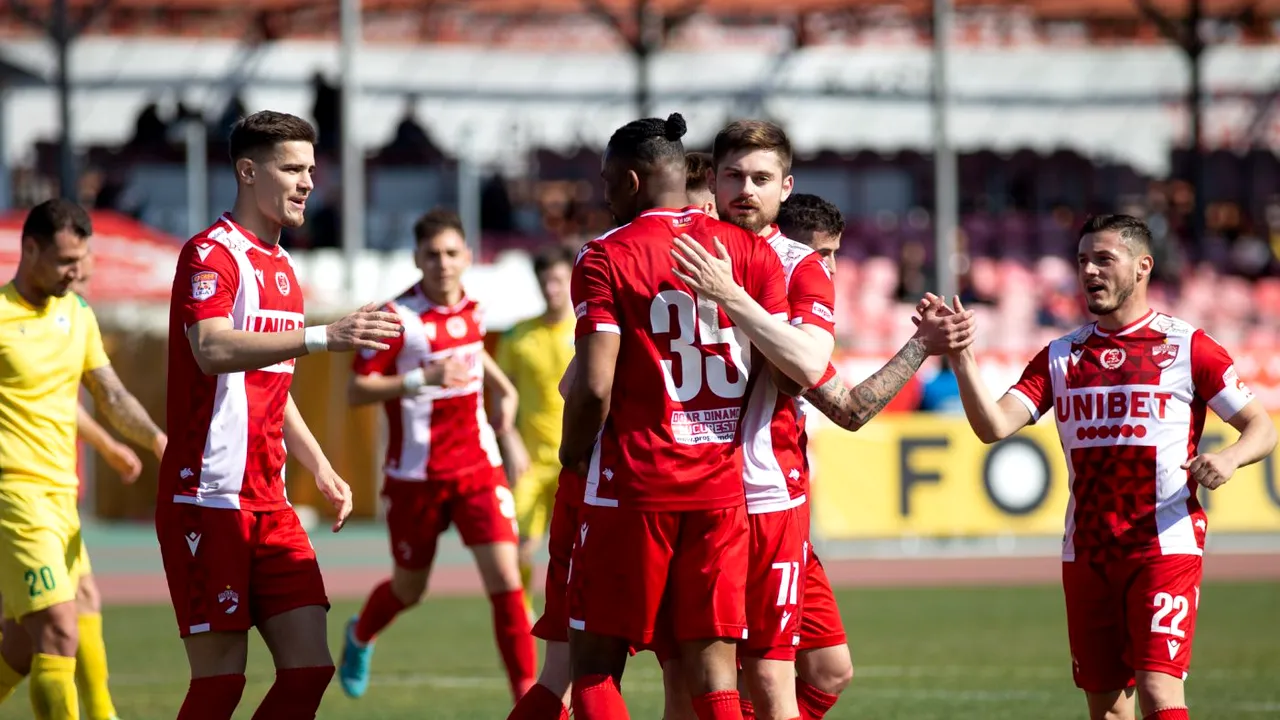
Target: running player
x,y
235,554
823,664
699,167
49,344
443,463
1129,393
534,355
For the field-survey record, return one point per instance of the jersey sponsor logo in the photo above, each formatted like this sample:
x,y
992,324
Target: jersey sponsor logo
x,y
579,310
275,322
1164,354
1111,358
1112,405
63,323
682,222
203,285
282,283
700,427
824,312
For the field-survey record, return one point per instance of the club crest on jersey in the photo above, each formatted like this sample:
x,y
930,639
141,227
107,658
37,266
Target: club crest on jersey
x,y
203,285
1164,354
682,221
1111,358
456,327
282,283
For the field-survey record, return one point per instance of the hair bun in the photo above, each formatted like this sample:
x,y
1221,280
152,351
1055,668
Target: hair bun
x,y
674,128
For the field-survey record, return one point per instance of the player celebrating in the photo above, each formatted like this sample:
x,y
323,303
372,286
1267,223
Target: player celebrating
x,y
235,554
534,355
823,665
663,518
1129,394
53,344
444,461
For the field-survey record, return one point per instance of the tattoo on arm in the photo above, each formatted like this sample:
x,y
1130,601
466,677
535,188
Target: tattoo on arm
x,y
851,408
120,407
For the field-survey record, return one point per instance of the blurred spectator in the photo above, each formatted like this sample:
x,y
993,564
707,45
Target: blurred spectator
x,y
327,113
149,130
941,392
914,275
411,141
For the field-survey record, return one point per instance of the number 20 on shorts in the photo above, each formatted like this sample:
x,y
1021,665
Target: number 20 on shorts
x,y
39,581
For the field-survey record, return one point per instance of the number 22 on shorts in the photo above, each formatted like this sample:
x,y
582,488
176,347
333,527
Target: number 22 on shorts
x,y
1166,605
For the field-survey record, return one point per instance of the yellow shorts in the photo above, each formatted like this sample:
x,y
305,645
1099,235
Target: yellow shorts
x,y
41,556
535,493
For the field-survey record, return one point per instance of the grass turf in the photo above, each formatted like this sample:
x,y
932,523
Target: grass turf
x,y
958,654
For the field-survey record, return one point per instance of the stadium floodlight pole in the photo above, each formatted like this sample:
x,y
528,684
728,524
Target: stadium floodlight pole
x,y
67,175
353,190
945,199
468,177
197,142
6,193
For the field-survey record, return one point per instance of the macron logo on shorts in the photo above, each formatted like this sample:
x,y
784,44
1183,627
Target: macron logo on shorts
x,y
1173,648
193,542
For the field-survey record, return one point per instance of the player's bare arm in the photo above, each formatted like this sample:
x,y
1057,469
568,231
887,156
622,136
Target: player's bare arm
x,y
515,457
801,353
587,404
220,349
566,380
119,456
937,333
991,420
303,445
365,389
123,410
1257,440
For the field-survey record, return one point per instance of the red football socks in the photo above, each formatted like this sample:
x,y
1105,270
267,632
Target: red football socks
x,y
718,705
296,694
212,698
539,704
814,704
748,710
1176,713
378,612
596,697
511,630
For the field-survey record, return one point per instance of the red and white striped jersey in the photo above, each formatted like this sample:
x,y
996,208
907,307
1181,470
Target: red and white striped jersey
x,y
226,432
1130,407
775,471
442,433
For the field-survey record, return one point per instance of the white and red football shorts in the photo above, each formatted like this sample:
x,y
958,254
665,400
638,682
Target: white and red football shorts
x,y
482,508
1128,615
624,559
778,561
229,570
553,626
820,622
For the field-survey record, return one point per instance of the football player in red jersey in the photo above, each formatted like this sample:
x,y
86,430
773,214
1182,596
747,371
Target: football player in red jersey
x,y
663,519
444,462
699,167
823,664
235,554
1129,393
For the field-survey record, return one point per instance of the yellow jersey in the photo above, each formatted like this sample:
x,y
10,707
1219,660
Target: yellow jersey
x,y
535,354
43,353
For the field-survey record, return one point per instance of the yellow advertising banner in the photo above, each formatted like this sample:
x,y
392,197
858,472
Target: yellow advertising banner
x,y
927,475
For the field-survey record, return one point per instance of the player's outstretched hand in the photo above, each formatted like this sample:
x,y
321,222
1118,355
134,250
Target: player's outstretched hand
x,y
1211,470
337,492
709,275
124,461
944,330
364,329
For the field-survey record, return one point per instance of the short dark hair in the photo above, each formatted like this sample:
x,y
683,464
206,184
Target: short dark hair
x,y
551,256
265,129
650,142
752,135
51,217
806,213
1132,231
697,165
436,222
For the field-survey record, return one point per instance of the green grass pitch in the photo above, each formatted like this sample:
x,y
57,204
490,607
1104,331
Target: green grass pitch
x,y
922,654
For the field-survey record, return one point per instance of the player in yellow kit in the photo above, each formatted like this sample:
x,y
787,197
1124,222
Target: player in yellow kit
x,y
49,345
534,355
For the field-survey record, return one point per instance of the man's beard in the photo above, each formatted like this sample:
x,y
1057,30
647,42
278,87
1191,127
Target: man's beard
x,y
1122,295
753,221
